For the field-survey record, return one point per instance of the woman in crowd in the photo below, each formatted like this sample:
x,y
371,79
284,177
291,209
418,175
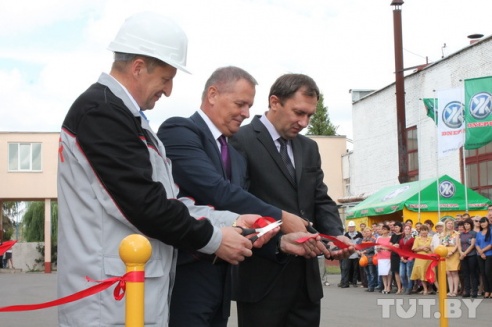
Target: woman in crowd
x,y
449,238
468,258
460,227
421,245
370,269
476,223
430,224
384,254
476,228
484,250
395,257
416,230
436,241
406,263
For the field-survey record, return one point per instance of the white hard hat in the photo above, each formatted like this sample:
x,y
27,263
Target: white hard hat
x,y
351,224
152,35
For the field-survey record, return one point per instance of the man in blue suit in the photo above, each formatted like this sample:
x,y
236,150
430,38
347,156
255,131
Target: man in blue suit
x,y
201,295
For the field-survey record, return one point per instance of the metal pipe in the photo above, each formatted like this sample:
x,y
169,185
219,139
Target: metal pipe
x,y
400,94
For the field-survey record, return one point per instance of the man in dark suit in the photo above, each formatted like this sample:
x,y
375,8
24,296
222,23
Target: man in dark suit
x,y
201,295
284,169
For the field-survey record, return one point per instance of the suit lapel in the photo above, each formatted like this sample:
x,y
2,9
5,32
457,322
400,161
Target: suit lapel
x,y
266,140
202,126
212,143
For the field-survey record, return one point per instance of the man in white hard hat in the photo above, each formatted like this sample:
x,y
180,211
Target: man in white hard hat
x,y
114,180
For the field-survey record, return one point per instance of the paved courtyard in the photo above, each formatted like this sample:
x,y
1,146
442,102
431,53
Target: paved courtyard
x,y
340,307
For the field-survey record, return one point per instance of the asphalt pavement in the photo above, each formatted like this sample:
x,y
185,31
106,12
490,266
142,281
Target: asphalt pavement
x,y
339,307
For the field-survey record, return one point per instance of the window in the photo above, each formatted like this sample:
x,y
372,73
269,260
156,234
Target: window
x,y
413,154
24,156
479,170
347,186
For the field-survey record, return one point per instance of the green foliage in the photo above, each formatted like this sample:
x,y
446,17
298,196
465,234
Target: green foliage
x,y
320,123
9,231
32,269
33,222
9,209
54,254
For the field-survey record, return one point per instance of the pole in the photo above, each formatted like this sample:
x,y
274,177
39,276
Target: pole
x,y
47,236
400,94
135,250
1,222
437,160
442,251
463,156
419,138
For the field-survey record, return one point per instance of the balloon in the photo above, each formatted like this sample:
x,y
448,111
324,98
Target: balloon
x,y
363,261
375,260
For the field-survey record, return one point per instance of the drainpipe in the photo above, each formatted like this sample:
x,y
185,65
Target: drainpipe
x,y
400,94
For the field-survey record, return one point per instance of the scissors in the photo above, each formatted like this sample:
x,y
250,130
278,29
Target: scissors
x,y
261,231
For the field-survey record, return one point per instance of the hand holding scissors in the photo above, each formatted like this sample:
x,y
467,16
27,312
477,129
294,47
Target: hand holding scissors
x,y
263,236
260,231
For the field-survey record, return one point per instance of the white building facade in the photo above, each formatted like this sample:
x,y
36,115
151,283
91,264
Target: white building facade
x,y
373,164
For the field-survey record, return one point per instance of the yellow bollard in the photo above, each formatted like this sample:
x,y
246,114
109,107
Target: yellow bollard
x,y
442,251
135,251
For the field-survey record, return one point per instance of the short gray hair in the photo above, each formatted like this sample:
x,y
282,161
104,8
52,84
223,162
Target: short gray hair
x,y
121,57
223,77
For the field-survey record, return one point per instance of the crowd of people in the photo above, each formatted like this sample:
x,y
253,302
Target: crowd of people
x,y
468,241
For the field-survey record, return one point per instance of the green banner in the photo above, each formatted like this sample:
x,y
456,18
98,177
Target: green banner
x,y
478,112
431,107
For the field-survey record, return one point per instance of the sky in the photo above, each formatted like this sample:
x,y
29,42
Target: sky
x,y
53,50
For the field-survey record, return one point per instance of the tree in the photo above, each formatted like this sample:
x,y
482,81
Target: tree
x,y
33,222
320,123
33,228
9,209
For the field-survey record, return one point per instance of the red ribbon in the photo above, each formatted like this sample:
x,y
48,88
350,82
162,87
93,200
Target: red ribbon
x,y
5,246
119,292
263,221
430,275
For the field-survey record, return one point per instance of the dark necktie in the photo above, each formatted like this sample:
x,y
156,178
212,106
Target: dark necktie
x,y
224,154
286,158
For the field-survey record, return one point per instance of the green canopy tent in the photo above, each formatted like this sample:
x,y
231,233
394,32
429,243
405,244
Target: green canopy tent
x,y
421,196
